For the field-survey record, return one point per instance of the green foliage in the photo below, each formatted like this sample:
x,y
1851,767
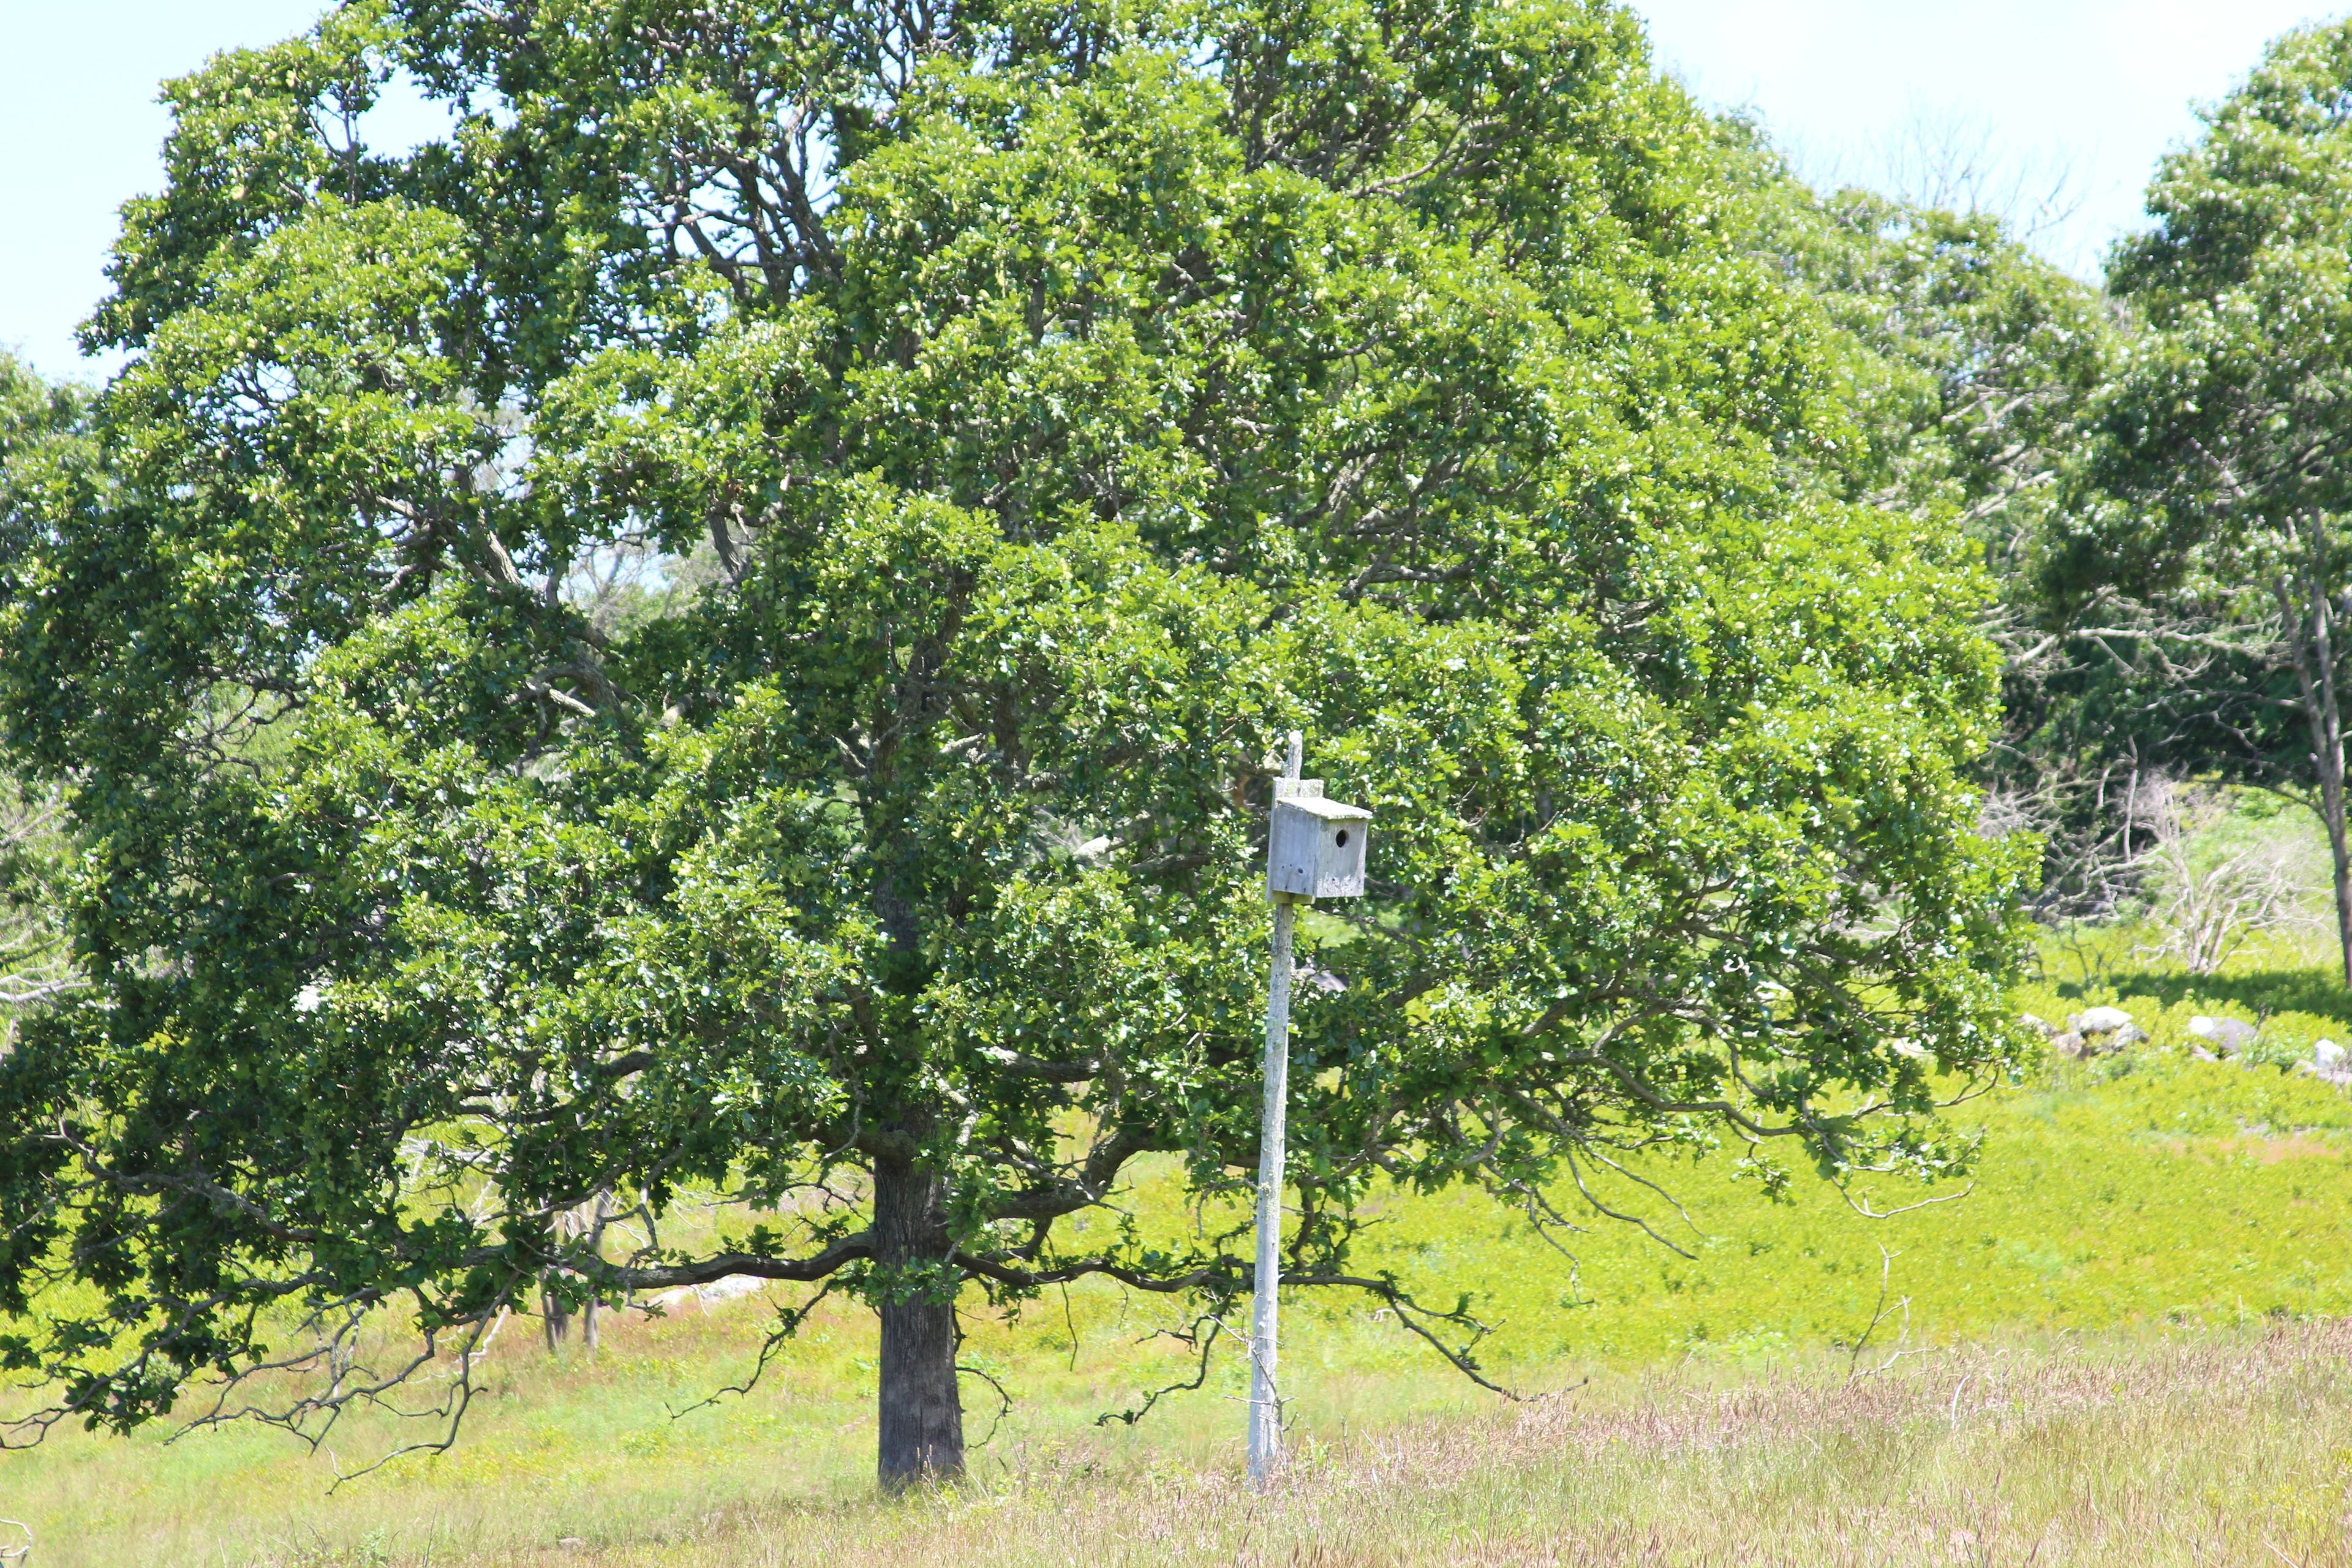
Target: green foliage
x,y
37,422
2175,1190
1983,369
35,957
1070,403
2199,572
1984,357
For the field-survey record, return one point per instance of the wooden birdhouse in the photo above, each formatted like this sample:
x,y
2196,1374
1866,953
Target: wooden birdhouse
x,y
1315,848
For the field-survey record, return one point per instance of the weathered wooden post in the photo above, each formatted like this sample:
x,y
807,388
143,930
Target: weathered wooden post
x,y
1314,849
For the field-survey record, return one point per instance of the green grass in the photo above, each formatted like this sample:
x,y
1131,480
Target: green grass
x,y
2153,1208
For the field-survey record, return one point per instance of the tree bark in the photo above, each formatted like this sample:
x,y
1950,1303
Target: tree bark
x,y
2331,799
555,1319
921,1409
2315,658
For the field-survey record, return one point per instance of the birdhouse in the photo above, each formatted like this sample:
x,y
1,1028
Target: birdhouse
x,y
1315,848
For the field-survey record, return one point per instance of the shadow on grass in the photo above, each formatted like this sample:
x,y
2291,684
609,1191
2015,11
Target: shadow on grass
x,y
2261,992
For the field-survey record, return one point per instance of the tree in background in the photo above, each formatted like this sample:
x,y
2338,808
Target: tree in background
x,y
1060,402
2204,577
35,956
1985,362
34,967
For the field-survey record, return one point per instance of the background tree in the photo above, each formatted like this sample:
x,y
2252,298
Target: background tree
x,y
1061,400
1984,363
35,953
2204,575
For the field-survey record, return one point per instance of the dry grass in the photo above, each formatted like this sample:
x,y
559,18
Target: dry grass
x,y
2191,1448
2204,1453
2162,1213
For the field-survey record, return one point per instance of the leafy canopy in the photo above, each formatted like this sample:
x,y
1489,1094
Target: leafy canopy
x,y
1053,402
2224,435
2200,569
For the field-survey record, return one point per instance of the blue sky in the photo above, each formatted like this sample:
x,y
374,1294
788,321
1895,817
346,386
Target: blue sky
x,y
2025,91
2094,90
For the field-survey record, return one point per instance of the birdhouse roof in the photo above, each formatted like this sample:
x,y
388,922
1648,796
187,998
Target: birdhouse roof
x,y
1328,810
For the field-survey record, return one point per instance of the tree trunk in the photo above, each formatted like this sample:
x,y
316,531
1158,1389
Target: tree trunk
x,y
2315,651
921,1410
555,1317
2327,755
2331,802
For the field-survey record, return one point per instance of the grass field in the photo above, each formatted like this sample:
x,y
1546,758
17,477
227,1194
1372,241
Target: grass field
x,y
2123,1333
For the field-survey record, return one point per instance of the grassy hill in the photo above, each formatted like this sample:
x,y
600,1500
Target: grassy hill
x,y
2170,1227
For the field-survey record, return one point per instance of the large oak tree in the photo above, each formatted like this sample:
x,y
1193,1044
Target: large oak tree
x,y
1039,408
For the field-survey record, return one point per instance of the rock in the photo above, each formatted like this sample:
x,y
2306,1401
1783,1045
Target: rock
x,y
2201,1054
2036,1025
732,1288
2070,1045
2227,1035
2329,1062
2102,1029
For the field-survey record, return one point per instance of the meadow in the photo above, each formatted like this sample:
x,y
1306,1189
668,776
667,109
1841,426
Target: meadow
x,y
2123,1330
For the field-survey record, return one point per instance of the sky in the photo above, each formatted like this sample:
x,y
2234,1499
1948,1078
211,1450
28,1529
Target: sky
x,y
80,133
2052,110
2076,96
